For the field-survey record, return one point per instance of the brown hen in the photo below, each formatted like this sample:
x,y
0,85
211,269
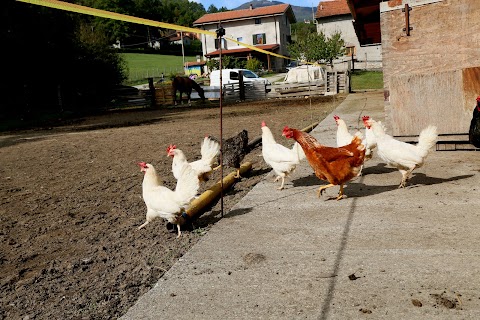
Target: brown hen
x,y
335,165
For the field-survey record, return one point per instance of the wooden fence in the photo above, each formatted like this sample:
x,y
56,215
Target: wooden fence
x,y
334,82
251,91
160,94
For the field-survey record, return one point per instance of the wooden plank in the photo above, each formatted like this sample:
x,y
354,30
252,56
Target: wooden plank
x,y
422,99
444,39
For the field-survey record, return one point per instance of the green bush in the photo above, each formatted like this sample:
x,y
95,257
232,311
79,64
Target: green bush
x,y
253,64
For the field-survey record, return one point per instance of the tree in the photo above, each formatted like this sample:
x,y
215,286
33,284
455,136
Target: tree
x,y
301,30
62,68
316,47
213,9
179,12
228,62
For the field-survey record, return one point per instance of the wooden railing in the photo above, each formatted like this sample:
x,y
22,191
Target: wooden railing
x,y
334,82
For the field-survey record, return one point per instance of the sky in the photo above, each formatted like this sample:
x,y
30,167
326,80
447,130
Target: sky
x,y
231,4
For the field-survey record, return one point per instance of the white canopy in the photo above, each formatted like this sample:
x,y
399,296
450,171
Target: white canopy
x,y
305,73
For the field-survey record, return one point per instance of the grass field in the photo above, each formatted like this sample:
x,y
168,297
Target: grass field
x,y
362,80
142,66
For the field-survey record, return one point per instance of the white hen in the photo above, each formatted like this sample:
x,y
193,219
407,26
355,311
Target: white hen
x,y
401,155
282,159
162,202
370,139
344,137
203,166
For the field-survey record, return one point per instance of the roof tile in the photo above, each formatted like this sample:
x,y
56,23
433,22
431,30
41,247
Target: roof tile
x,y
332,8
240,14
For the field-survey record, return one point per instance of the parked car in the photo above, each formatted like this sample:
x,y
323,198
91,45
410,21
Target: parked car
x,y
232,76
292,64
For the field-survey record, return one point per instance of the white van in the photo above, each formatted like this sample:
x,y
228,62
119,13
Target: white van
x,y
231,76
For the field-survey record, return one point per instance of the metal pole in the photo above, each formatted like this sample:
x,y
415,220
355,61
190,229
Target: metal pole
x,y
183,53
220,33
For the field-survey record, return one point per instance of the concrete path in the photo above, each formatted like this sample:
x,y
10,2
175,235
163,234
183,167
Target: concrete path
x,y
381,253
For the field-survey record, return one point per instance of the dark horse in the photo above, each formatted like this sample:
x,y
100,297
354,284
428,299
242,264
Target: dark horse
x,y
185,85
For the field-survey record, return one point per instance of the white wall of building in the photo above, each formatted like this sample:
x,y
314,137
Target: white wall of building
x,y
368,57
275,28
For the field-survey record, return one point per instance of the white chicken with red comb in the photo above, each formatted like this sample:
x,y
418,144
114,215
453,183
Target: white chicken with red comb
x,y
164,203
404,156
370,139
344,137
282,159
202,167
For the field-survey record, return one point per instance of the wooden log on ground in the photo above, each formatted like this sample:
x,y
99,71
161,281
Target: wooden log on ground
x,y
197,205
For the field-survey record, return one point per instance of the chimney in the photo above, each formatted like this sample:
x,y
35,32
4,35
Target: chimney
x,y
251,6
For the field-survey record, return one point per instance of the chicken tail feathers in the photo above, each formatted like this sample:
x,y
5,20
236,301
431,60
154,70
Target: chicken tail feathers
x,y
187,184
427,138
297,148
209,149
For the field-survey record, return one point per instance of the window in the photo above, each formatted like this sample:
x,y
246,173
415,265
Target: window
x,y
224,44
258,21
249,74
350,51
233,75
239,39
259,39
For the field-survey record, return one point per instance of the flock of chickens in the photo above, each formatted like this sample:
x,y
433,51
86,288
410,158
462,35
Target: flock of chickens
x,y
336,165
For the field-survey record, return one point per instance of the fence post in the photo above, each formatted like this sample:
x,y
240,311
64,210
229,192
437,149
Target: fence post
x,y
241,85
151,88
335,78
326,82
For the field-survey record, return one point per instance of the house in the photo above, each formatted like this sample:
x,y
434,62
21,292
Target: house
x,y
333,16
267,28
178,36
195,67
431,62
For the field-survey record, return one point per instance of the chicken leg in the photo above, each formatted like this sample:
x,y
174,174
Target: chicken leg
x,y
179,232
340,193
283,182
322,188
237,175
405,176
143,225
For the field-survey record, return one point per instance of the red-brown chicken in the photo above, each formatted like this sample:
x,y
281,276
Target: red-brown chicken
x,y
335,165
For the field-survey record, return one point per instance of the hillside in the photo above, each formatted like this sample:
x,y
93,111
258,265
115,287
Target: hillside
x,y
301,13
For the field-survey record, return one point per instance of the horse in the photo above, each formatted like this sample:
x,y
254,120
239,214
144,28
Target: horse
x,y
185,85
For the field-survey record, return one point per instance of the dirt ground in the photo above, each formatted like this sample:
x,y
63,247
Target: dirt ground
x,y
71,202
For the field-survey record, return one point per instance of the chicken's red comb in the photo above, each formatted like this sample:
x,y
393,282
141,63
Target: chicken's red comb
x,y
264,124
365,118
336,117
142,164
171,147
478,99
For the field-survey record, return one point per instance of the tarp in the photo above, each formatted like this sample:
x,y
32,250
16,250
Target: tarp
x,y
305,73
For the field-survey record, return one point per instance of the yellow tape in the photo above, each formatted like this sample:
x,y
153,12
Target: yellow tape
x,y
257,49
112,15
122,17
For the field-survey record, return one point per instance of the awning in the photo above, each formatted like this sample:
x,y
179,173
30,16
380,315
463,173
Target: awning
x,y
367,20
194,63
242,50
